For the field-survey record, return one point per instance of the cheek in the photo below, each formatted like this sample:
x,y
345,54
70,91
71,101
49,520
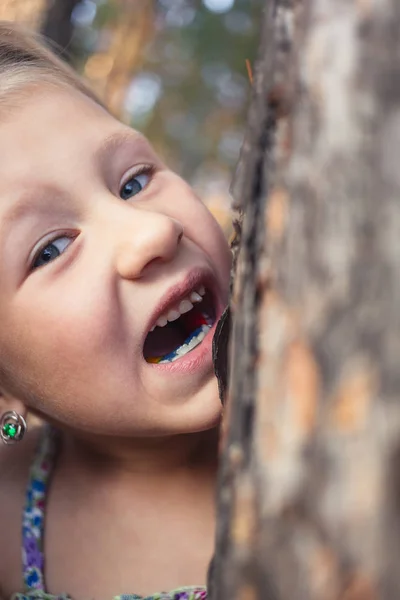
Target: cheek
x,y
55,360
204,230
181,203
51,345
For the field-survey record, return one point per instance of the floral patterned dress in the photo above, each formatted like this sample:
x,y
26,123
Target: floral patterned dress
x,y
33,530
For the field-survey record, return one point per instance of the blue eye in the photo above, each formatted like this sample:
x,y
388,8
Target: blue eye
x,y
51,251
134,185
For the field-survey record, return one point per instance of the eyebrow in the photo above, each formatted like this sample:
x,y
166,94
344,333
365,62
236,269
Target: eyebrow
x,y
22,208
108,146
114,141
27,202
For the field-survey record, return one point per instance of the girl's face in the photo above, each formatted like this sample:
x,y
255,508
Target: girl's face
x,y
99,241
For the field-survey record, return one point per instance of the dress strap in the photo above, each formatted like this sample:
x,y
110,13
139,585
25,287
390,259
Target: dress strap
x,y
34,511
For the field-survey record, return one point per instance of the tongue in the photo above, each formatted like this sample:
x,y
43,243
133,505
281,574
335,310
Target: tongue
x,y
164,340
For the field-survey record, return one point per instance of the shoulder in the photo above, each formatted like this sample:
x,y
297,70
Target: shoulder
x,y
15,462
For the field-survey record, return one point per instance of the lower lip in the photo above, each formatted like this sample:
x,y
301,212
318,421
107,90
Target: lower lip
x,y
197,359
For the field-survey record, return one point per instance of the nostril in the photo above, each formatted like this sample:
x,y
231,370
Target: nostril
x,y
180,236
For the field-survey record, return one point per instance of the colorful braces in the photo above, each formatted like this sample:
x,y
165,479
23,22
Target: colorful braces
x,y
199,321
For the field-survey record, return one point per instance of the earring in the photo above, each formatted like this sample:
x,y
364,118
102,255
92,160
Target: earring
x,y
12,427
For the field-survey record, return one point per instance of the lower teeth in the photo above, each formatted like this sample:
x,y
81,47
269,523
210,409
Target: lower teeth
x,y
185,348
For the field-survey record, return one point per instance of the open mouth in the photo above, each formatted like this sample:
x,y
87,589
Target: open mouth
x,y
181,328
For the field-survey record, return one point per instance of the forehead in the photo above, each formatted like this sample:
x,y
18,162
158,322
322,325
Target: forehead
x,y
50,128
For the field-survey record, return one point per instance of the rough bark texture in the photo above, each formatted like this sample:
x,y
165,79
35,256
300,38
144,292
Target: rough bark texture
x,y
309,495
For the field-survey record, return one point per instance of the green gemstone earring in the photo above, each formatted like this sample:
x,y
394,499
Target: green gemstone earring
x,y
12,427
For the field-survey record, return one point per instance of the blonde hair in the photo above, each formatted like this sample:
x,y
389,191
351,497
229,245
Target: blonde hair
x,y
26,61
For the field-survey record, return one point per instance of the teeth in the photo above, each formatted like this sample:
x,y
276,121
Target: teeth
x,y
185,306
201,336
173,315
162,321
182,350
195,297
185,348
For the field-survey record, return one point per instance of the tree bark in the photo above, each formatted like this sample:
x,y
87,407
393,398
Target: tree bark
x,y
309,493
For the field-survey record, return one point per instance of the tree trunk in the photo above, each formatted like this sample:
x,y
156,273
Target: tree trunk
x,y
309,494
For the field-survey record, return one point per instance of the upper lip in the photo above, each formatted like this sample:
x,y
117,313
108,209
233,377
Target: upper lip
x,y
180,290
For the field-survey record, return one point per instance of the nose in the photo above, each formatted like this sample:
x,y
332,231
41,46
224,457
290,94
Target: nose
x,y
142,239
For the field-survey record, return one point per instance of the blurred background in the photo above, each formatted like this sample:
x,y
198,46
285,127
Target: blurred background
x,y
173,69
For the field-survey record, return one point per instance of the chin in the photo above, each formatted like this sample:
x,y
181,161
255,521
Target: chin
x,y
202,415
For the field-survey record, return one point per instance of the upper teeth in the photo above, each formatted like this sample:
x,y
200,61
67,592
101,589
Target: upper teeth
x,y
183,307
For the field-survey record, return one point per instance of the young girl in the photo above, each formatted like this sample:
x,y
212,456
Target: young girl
x,y
113,276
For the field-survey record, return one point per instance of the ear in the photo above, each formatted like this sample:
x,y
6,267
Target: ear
x,y
10,402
